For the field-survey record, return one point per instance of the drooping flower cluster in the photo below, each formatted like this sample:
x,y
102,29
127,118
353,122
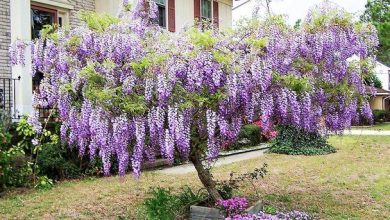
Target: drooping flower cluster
x,y
127,90
16,52
293,215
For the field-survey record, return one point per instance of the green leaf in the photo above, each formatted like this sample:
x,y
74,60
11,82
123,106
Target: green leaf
x,y
202,39
258,43
98,21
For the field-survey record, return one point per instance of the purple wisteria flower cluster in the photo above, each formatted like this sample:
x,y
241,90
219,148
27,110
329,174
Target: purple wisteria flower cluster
x,y
133,91
293,215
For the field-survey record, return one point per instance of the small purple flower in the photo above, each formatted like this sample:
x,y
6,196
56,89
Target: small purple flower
x,y
35,142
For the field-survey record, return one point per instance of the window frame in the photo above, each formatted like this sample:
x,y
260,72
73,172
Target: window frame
x,y
165,15
46,9
38,76
202,16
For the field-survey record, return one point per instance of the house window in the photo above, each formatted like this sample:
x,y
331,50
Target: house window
x,y
162,16
205,9
40,17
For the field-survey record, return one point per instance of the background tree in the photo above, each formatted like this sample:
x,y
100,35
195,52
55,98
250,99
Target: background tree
x,y
373,80
378,13
262,3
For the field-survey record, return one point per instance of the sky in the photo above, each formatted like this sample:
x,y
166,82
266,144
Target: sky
x,y
296,9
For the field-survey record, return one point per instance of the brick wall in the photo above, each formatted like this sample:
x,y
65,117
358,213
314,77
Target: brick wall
x,y
88,5
5,38
5,29
5,41
5,67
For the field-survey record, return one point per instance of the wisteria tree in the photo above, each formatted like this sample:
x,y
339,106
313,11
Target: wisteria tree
x,y
127,90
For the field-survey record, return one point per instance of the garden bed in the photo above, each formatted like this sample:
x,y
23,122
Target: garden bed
x,y
244,150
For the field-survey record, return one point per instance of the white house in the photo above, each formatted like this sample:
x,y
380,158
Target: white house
x,y
23,19
382,72
381,101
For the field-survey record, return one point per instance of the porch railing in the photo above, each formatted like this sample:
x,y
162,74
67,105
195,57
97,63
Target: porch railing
x,y
8,96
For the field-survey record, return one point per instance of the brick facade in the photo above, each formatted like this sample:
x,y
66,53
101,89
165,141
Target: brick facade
x,y
88,5
5,38
5,67
6,84
5,29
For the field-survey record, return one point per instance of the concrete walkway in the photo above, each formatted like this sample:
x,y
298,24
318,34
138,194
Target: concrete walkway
x,y
366,132
188,168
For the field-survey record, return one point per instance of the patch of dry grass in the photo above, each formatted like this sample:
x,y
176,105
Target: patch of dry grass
x,y
353,183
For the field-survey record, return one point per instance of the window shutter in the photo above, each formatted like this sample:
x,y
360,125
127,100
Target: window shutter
x,y
197,9
171,16
215,13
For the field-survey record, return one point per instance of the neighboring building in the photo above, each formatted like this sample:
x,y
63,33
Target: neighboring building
x,y
383,73
381,101
23,19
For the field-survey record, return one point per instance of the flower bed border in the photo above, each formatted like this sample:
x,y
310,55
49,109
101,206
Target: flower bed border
x,y
262,146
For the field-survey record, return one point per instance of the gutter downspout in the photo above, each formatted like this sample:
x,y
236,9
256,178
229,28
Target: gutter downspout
x,y
383,102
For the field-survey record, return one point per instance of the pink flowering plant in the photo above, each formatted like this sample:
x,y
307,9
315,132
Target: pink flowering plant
x,y
233,206
129,90
266,134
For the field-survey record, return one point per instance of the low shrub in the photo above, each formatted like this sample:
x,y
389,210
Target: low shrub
x,y
380,115
44,183
165,205
15,165
187,197
296,141
30,159
16,169
161,205
266,134
226,187
5,135
57,162
250,135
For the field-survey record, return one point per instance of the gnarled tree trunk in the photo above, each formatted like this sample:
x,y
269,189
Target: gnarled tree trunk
x,y
205,176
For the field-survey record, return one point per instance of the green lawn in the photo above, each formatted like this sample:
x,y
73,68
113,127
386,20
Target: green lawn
x,y
383,126
350,184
